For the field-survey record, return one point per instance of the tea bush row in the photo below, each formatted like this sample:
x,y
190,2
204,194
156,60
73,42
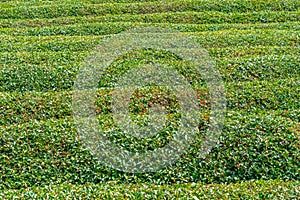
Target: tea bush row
x,y
81,9
191,20
257,189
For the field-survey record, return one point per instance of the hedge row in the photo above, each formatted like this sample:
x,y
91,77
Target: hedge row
x,y
59,73
290,114
13,4
259,68
210,18
231,70
250,147
259,189
80,9
247,38
249,51
181,17
55,58
50,43
277,94
257,95
45,58
24,107
114,28
205,39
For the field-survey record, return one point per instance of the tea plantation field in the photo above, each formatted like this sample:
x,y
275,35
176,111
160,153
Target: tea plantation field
x,y
255,45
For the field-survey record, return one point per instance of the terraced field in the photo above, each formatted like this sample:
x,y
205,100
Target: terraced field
x,y
256,47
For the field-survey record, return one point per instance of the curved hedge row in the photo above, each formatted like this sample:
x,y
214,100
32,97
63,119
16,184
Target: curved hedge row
x,y
260,189
185,19
115,28
251,147
250,51
80,9
50,58
219,39
20,108
42,74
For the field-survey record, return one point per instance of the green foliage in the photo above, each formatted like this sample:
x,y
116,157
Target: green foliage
x,y
256,48
183,21
252,146
81,9
225,38
260,189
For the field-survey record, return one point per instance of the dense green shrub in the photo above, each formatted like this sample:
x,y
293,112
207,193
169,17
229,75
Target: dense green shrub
x,y
252,146
182,21
219,39
80,9
259,189
256,48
